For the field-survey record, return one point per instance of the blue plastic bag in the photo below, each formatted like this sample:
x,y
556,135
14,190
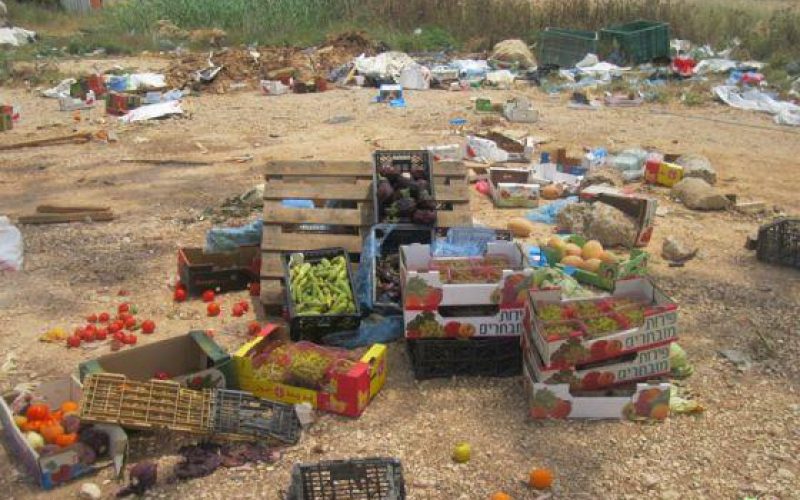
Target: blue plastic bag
x,y
224,239
547,213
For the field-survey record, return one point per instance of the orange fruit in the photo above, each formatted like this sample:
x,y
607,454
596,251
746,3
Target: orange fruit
x,y
51,431
649,394
69,407
65,440
660,411
541,479
500,496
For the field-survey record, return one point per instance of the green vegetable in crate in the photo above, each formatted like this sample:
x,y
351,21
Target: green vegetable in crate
x,y
320,288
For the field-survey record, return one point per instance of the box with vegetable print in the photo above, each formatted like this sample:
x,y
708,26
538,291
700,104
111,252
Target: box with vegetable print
x,y
45,434
635,402
568,332
464,297
330,379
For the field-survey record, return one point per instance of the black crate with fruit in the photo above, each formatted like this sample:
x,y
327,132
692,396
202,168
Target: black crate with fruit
x,y
385,266
403,187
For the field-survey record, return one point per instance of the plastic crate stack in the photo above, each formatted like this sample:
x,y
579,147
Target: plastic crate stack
x,y
463,315
604,357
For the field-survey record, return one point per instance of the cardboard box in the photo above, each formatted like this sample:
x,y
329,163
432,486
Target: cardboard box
x,y
643,402
510,188
645,364
59,468
663,173
499,322
608,274
348,393
520,110
660,325
548,173
221,272
193,360
641,208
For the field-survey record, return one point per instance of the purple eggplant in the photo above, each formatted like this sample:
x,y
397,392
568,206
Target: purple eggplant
x,y
425,217
425,201
389,171
418,172
405,206
385,191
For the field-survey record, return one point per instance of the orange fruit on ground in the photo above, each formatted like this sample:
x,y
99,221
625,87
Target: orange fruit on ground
x,y
660,411
541,479
649,395
69,407
500,496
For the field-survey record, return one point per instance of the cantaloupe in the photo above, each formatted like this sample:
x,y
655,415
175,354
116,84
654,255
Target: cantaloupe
x,y
556,242
573,260
519,227
609,258
592,249
592,265
572,249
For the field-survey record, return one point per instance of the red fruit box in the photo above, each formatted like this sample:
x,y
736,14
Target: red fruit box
x,y
646,317
642,365
436,307
638,402
64,465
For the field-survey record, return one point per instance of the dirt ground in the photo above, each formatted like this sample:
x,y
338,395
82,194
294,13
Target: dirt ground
x,y
746,444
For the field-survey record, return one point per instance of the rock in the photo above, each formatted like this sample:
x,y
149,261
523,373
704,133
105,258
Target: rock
x,y
514,51
650,481
675,250
785,474
738,358
91,491
603,175
610,226
573,217
697,166
697,194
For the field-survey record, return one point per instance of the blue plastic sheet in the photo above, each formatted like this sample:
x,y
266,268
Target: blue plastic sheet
x,y
547,213
224,239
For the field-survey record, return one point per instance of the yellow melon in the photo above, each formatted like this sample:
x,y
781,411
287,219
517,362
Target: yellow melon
x,y
592,265
608,258
572,249
573,260
592,250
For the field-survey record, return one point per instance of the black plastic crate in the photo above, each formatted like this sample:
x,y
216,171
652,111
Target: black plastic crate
x,y
315,328
388,240
779,242
404,161
356,479
221,272
478,357
565,47
241,413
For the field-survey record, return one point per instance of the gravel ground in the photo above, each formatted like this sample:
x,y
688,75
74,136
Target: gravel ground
x,y
746,444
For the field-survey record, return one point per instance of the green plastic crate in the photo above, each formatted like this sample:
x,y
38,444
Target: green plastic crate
x,y
635,43
565,47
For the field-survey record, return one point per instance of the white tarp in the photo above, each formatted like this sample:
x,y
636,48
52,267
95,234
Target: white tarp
x,y
147,81
152,111
384,65
16,36
785,113
60,90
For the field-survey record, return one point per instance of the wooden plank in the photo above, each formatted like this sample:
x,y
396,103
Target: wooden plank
x,y
454,218
277,190
68,209
360,169
275,212
272,266
452,193
275,239
70,217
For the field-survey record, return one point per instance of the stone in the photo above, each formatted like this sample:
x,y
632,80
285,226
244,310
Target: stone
x,y
675,250
697,194
610,226
604,175
514,51
573,217
91,491
697,166
741,360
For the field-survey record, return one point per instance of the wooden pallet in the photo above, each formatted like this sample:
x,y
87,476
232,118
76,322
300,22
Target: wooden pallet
x,y
350,184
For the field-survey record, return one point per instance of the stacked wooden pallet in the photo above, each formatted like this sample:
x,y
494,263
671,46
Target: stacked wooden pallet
x,y
343,213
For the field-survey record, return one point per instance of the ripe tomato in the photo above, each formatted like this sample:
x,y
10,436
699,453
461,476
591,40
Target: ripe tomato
x,y
179,295
73,341
115,327
213,309
238,310
130,323
130,339
148,326
92,318
124,307
90,328
101,334
124,316
37,411
118,336
89,335
245,305
253,328
208,296
104,317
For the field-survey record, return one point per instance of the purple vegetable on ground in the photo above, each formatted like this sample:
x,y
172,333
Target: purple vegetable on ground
x,y
143,476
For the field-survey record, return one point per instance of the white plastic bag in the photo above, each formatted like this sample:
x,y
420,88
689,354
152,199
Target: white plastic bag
x,y
483,151
10,246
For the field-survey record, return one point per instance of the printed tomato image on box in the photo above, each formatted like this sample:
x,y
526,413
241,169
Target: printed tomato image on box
x,y
464,297
330,379
570,332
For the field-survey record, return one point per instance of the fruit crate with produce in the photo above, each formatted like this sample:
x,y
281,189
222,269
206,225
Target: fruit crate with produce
x,y
511,188
404,189
339,203
45,434
388,238
164,404
566,332
639,402
646,364
593,264
330,379
321,297
222,272
194,360
464,297
355,479
477,357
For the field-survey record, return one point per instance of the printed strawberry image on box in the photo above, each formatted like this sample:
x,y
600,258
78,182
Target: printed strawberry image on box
x,y
571,332
464,297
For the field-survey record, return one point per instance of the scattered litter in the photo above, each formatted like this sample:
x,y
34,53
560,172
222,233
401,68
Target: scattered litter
x,y
11,246
785,113
16,36
384,66
581,101
152,111
547,213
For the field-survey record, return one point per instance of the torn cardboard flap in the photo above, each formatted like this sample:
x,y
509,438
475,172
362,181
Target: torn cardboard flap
x,y
642,209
